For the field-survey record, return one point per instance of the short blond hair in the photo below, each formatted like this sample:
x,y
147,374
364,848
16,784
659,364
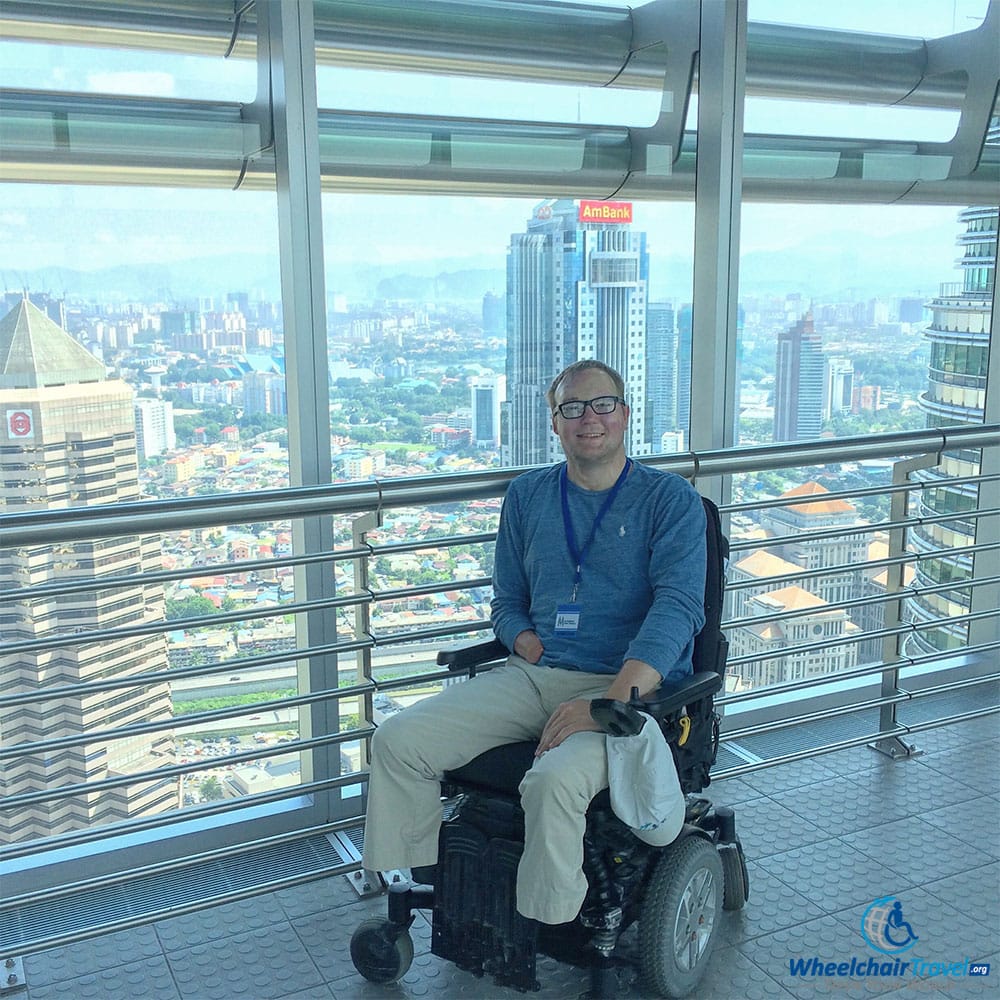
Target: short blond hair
x,y
587,364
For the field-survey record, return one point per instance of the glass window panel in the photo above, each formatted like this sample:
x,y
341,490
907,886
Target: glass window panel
x,y
156,371
441,307
922,19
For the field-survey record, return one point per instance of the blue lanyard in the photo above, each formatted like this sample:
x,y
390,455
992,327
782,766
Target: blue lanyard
x,y
580,554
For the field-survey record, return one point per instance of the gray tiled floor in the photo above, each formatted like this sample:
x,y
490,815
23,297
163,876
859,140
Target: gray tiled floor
x,y
825,838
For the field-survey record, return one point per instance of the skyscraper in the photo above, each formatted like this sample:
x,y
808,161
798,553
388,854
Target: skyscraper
x,y
154,427
662,373
488,393
68,440
798,387
577,284
838,386
959,335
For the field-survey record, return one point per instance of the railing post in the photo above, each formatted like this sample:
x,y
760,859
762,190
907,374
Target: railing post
x,y
360,527
894,746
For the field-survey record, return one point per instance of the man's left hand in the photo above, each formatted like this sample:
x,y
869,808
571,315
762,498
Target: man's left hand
x,y
570,717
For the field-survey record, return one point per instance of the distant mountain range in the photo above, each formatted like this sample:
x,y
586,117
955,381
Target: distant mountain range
x,y
878,267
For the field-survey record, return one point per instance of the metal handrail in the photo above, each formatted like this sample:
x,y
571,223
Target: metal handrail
x,y
146,517
350,500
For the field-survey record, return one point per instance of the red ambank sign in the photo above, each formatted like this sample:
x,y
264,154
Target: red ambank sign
x,y
605,211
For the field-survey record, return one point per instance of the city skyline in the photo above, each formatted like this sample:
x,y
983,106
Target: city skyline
x,y
86,231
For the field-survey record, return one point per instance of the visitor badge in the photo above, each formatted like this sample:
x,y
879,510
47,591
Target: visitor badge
x,y
567,619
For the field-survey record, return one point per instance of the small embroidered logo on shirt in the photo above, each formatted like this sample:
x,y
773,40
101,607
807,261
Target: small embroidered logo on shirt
x,y
621,531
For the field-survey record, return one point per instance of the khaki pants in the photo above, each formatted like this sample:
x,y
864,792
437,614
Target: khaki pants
x,y
411,751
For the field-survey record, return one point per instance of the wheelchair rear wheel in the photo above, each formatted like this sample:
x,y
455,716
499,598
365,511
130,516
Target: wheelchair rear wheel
x,y
382,951
680,916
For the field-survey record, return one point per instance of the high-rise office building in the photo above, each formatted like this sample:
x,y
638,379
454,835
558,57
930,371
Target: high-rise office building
x,y
488,393
494,314
959,335
798,386
68,440
662,373
154,427
685,326
577,285
838,386
264,392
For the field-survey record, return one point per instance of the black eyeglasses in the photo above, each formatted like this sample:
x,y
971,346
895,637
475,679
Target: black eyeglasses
x,y
574,409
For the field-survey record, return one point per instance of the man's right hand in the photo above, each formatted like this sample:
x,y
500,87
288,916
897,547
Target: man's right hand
x,y
528,646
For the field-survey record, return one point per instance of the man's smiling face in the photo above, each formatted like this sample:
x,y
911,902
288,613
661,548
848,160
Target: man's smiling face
x,y
595,437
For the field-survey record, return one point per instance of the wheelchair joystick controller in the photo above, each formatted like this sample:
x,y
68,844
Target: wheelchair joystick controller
x,y
618,718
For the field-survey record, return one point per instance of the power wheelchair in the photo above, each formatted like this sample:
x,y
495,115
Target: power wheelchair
x,y
674,894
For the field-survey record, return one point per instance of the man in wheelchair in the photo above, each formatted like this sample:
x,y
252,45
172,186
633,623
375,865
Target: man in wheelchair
x,y
599,593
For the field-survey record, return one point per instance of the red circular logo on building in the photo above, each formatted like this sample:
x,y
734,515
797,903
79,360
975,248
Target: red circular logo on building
x,y
19,423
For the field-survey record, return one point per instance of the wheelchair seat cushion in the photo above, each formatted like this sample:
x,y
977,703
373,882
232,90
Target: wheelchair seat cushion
x,y
499,772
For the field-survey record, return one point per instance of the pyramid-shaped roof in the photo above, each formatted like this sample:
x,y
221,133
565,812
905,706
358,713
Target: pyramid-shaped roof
x,y
35,352
834,506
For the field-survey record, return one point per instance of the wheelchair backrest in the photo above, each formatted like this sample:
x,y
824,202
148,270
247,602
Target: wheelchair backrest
x,y
710,645
694,735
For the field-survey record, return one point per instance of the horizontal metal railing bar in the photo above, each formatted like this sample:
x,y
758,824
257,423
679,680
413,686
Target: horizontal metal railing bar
x,y
788,61
205,810
776,541
909,590
901,695
14,751
250,663
749,767
245,664
805,718
951,720
423,589
444,541
963,682
160,867
30,947
12,802
73,585
981,647
880,527
61,639
827,642
438,632
45,526
910,486
902,628
818,681
870,564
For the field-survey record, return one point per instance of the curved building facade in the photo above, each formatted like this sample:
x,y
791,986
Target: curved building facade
x,y
959,336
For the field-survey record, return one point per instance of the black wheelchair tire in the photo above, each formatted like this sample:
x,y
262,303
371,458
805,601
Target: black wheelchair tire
x,y
680,916
381,951
737,884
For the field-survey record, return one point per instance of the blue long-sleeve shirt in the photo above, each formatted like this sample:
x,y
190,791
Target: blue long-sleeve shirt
x,y
642,585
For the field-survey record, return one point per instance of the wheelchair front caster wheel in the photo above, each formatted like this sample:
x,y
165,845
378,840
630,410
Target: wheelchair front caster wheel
x,y
382,951
737,881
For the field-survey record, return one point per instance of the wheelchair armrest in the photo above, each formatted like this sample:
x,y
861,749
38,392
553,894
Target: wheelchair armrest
x,y
468,658
621,718
674,696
